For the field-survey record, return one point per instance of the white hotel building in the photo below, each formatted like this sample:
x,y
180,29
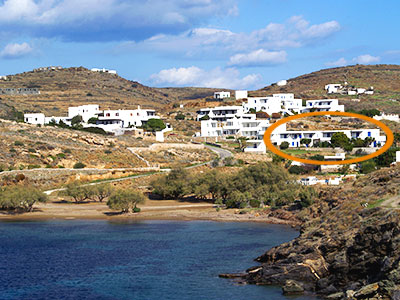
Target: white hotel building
x,y
276,104
293,138
322,105
113,121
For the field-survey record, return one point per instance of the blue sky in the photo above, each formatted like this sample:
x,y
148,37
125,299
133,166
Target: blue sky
x,y
237,44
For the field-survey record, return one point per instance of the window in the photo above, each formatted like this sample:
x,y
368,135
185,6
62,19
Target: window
x,y
117,114
107,114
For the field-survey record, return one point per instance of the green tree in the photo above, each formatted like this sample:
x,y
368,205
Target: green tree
x,y
284,145
20,198
205,118
176,184
252,111
305,141
125,200
77,120
100,192
154,125
339,139
80,192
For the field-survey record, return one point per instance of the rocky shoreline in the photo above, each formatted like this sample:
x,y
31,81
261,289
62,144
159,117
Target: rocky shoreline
x,y
345,249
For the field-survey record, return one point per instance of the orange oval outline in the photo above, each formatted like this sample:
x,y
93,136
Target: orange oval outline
x,y
271,147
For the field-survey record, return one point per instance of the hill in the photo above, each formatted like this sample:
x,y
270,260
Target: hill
x,y
384,78
61,88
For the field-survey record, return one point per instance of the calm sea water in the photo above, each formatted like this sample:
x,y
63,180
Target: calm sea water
x,y
135,260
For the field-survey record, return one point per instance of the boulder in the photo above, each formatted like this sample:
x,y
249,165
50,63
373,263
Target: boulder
x,y
292,287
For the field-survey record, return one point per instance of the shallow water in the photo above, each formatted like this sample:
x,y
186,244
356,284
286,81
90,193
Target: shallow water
x,y
92,259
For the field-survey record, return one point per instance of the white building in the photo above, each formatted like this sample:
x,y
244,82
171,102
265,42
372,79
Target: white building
x,y
85,111
397,157
323,105
333,88
221,95
130,118
310,180
35,118
113,121
293,138
281,83
276,104
390,117
241,95
104,71
247,126
220,113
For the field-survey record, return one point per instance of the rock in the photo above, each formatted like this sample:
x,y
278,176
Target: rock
x,y
336,296
292,287
350,294
368,290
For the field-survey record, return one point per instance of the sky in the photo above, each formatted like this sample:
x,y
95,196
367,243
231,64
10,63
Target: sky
x,y
235,44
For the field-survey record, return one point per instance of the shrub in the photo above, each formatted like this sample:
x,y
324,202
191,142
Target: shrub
x,y
31,150
18,143
93,120
107,151
367,166
79,165
19,177
297,170
180,116
307,196
205,118
67,151
284,145
94,130
61,155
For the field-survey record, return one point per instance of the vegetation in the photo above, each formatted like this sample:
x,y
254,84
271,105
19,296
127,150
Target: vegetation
x,y
81,193
79,165
126,200
76,120
284,145
205,118
180,116
20,198
154,125
260,184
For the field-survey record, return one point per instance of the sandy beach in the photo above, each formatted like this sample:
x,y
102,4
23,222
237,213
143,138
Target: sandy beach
x,y
152,210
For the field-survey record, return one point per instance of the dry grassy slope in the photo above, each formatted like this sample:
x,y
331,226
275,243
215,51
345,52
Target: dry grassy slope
x,y
76,86
384,78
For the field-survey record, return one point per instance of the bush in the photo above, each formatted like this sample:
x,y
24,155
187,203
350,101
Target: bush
x,y
284,145
67,151
19,177
205,118
31,150
307,196
76,120
367,166
18,143
93,120
96,130
61,155
180,116
79,165
107,151
126,200
297,170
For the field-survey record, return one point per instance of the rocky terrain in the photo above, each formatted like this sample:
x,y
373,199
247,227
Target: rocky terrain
x,y
62,88
348,248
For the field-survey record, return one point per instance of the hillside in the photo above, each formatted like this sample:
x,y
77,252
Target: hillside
x,y
76,86
384,78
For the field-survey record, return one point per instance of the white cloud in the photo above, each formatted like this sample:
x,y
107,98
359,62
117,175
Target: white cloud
x,y
296,32
15,50
366,59
258,57
90,20
194,76
338,63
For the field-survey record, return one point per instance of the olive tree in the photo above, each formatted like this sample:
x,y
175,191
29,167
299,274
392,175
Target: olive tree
x,y
126,200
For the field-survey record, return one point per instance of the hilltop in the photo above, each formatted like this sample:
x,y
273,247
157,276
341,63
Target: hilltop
x,y
384,78
61,88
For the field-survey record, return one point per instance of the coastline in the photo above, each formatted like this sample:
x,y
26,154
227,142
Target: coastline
x,y
169,210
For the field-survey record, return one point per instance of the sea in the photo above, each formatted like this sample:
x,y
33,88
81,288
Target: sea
x,y
141,260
